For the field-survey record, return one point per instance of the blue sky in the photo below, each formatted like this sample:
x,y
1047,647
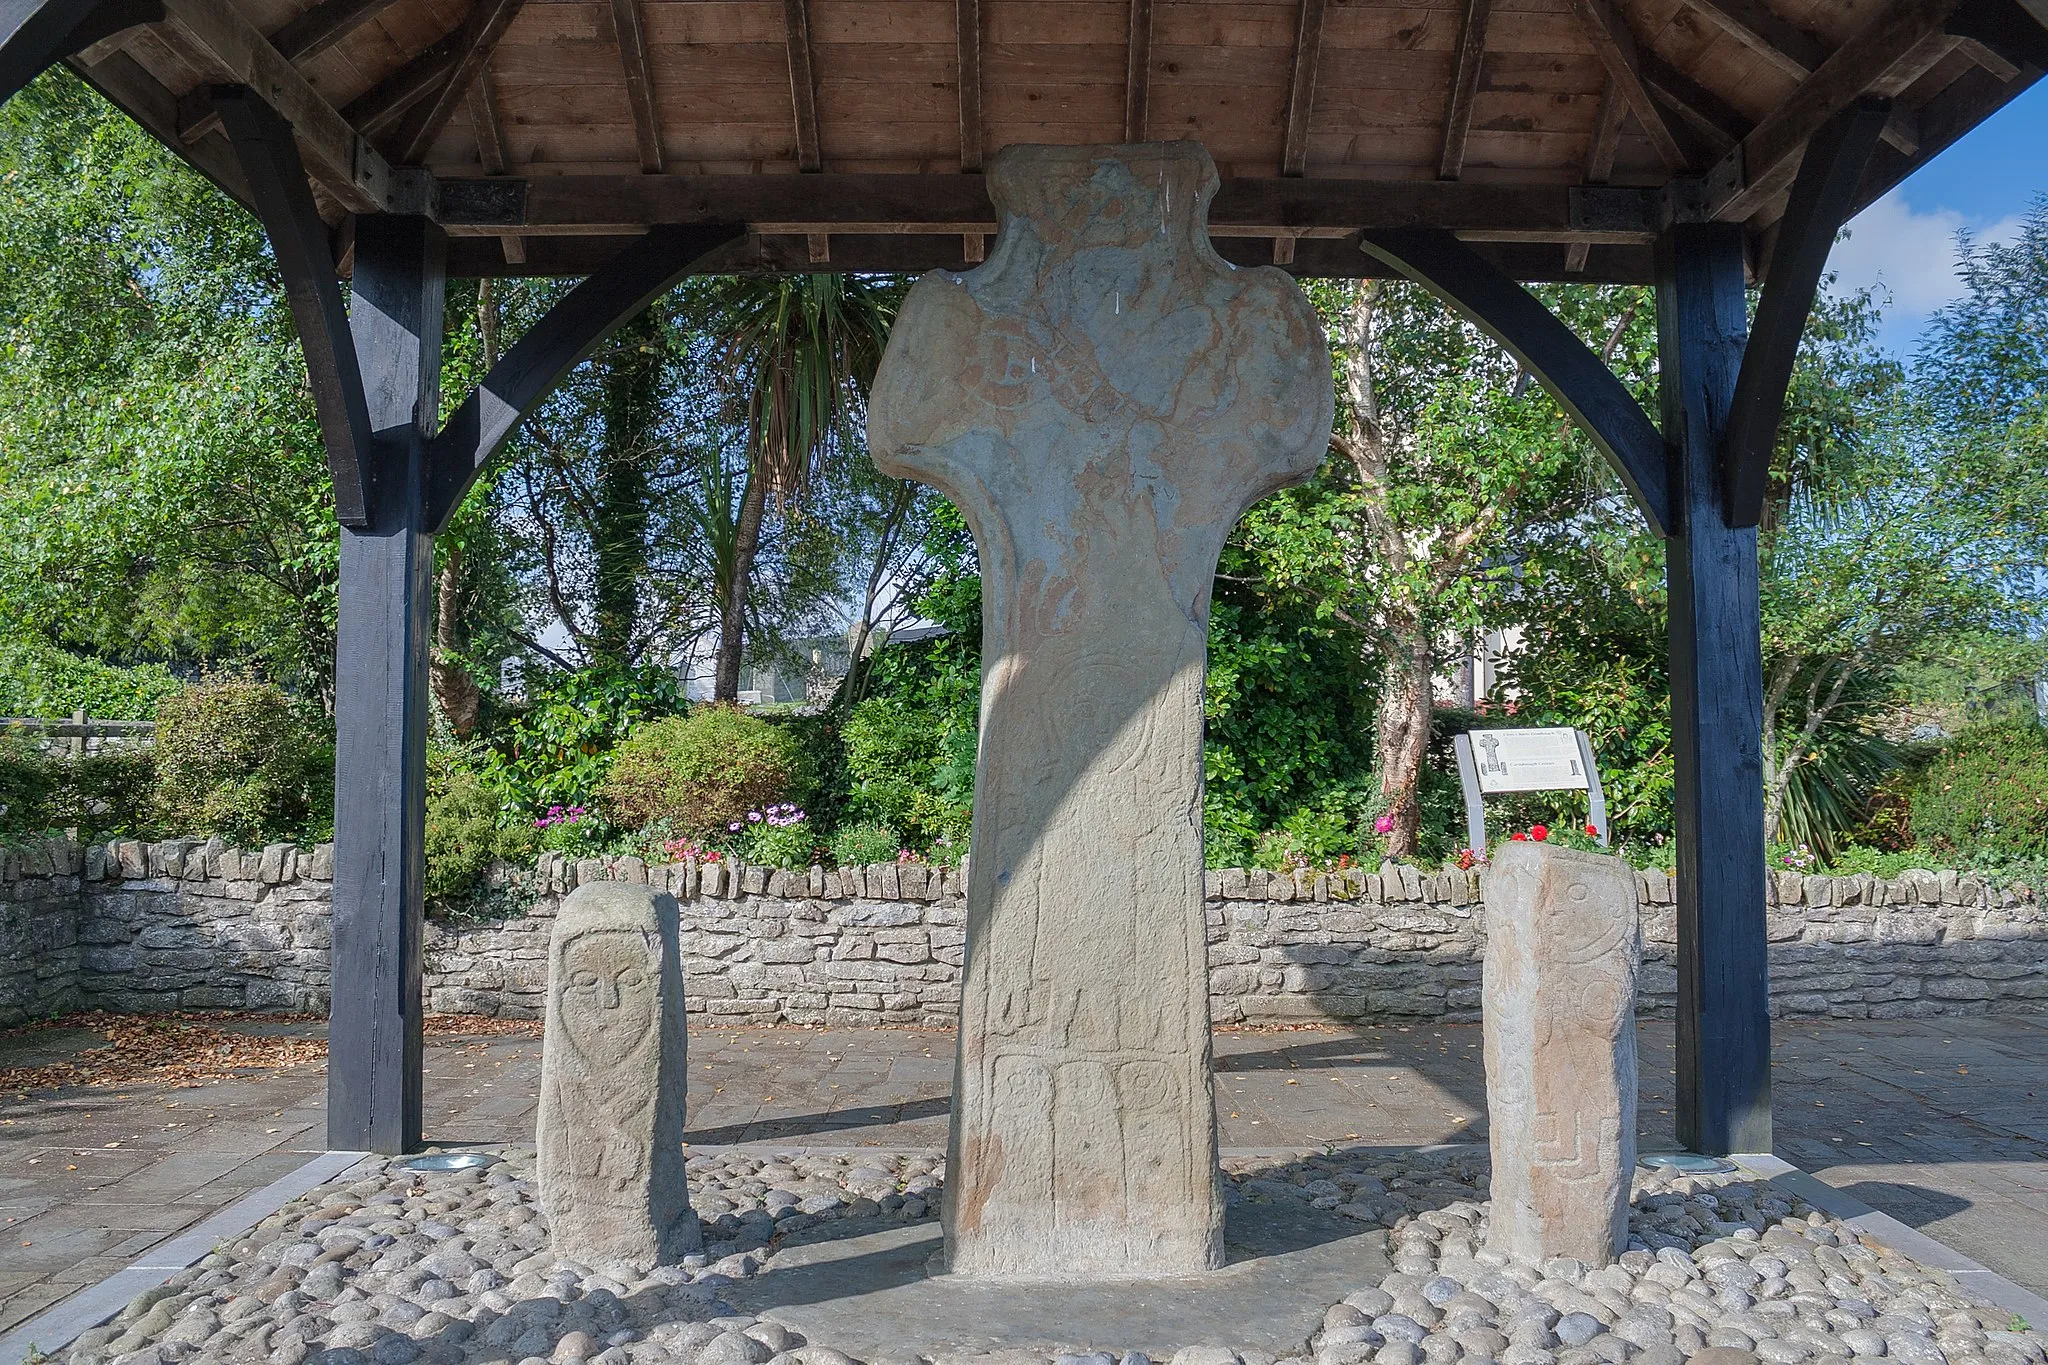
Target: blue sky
x,y
1905,242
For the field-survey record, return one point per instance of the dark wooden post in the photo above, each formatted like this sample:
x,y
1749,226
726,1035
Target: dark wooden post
x,y
387,565
1724,1021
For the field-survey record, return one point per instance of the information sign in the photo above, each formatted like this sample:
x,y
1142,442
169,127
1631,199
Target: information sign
x,y
1532,760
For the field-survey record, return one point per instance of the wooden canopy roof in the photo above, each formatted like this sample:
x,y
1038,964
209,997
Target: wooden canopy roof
x,y
1557,136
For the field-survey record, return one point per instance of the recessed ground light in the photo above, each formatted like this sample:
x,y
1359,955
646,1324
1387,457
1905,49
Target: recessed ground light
x,y
1691,1163
450,1161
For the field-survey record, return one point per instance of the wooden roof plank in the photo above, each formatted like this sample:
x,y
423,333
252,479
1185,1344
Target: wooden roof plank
x,y
627,23
484,122
1464,85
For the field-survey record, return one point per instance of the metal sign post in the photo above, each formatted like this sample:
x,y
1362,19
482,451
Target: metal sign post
x,y
1535,760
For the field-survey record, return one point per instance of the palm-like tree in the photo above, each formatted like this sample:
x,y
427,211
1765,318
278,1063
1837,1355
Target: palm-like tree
x,y
803,350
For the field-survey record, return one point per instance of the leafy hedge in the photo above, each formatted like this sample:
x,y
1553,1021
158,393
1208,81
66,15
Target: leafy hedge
x,y
696,774
239,758
41,680
1986,794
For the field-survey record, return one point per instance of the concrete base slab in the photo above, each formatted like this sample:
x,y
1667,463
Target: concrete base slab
x,y
873,1289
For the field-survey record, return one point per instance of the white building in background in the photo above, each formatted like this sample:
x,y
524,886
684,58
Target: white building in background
x,y
1470,672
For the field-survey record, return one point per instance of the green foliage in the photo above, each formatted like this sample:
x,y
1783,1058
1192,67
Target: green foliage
x,y
700,773
41,680
103,795
28,784
865,843
468,827
557,749
1986,795
778,836
1288,745
911,745
238,758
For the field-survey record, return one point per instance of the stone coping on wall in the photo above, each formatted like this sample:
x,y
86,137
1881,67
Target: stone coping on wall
x,y
212,860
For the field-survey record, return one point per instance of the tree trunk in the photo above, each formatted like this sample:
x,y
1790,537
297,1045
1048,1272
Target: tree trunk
x,y
460,699
732,617
631,399
1403,734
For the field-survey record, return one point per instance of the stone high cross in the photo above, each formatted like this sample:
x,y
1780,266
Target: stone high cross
x,y
1102,400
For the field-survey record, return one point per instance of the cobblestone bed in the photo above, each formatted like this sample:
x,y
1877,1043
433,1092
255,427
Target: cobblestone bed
x,y
397,1268
138,927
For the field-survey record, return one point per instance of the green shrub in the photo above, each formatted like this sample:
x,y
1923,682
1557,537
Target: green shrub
x,y
42,680
29,783
108,794
1984,798
912,768
238,758
862,844
698,773
468,828
556,750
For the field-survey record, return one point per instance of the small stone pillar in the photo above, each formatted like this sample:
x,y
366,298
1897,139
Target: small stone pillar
x,y
611,1080
1102,399
1563,948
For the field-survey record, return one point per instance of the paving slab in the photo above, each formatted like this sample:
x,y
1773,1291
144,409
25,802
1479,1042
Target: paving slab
x,y
867,1286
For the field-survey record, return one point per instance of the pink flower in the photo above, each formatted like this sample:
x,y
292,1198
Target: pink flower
x,y
1383,825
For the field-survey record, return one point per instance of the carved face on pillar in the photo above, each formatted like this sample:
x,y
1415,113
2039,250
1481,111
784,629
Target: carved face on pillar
x,y
609,995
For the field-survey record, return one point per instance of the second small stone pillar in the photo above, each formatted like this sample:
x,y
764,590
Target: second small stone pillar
x,y
1563,949
611,1080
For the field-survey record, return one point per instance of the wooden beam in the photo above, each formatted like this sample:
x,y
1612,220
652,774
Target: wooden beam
x,y
384,103
622,205
551,348
37,34
125,82
640,92
324,25
1565,366
1716,670
1301,87
904,253
1712,119
1600,152
490,130
474,42
803,83
276,180
1138,71
1794,51
1464,85
1823,196
1883,57
348,167
1616,47
967,31
374,1082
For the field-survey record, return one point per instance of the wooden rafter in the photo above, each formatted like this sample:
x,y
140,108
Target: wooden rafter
x,y
1716,122
324,25
626,21
347,167
1794,51
1138,71
474,42
1301,88
1616,46
36,33
490,147
803,83
967,30
1606,141
1885,56
1464,85
384,103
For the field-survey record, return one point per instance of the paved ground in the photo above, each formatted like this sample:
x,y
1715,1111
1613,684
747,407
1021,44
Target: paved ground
x,y
1943,1123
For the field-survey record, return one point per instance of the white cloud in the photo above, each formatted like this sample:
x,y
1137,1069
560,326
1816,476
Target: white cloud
x,y
1909,255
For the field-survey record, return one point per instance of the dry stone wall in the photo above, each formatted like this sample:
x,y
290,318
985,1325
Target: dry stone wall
x,y
139,927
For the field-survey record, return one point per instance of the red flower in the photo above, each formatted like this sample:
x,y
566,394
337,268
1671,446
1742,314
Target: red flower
x,y
1593,831
1519,837
1539,832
